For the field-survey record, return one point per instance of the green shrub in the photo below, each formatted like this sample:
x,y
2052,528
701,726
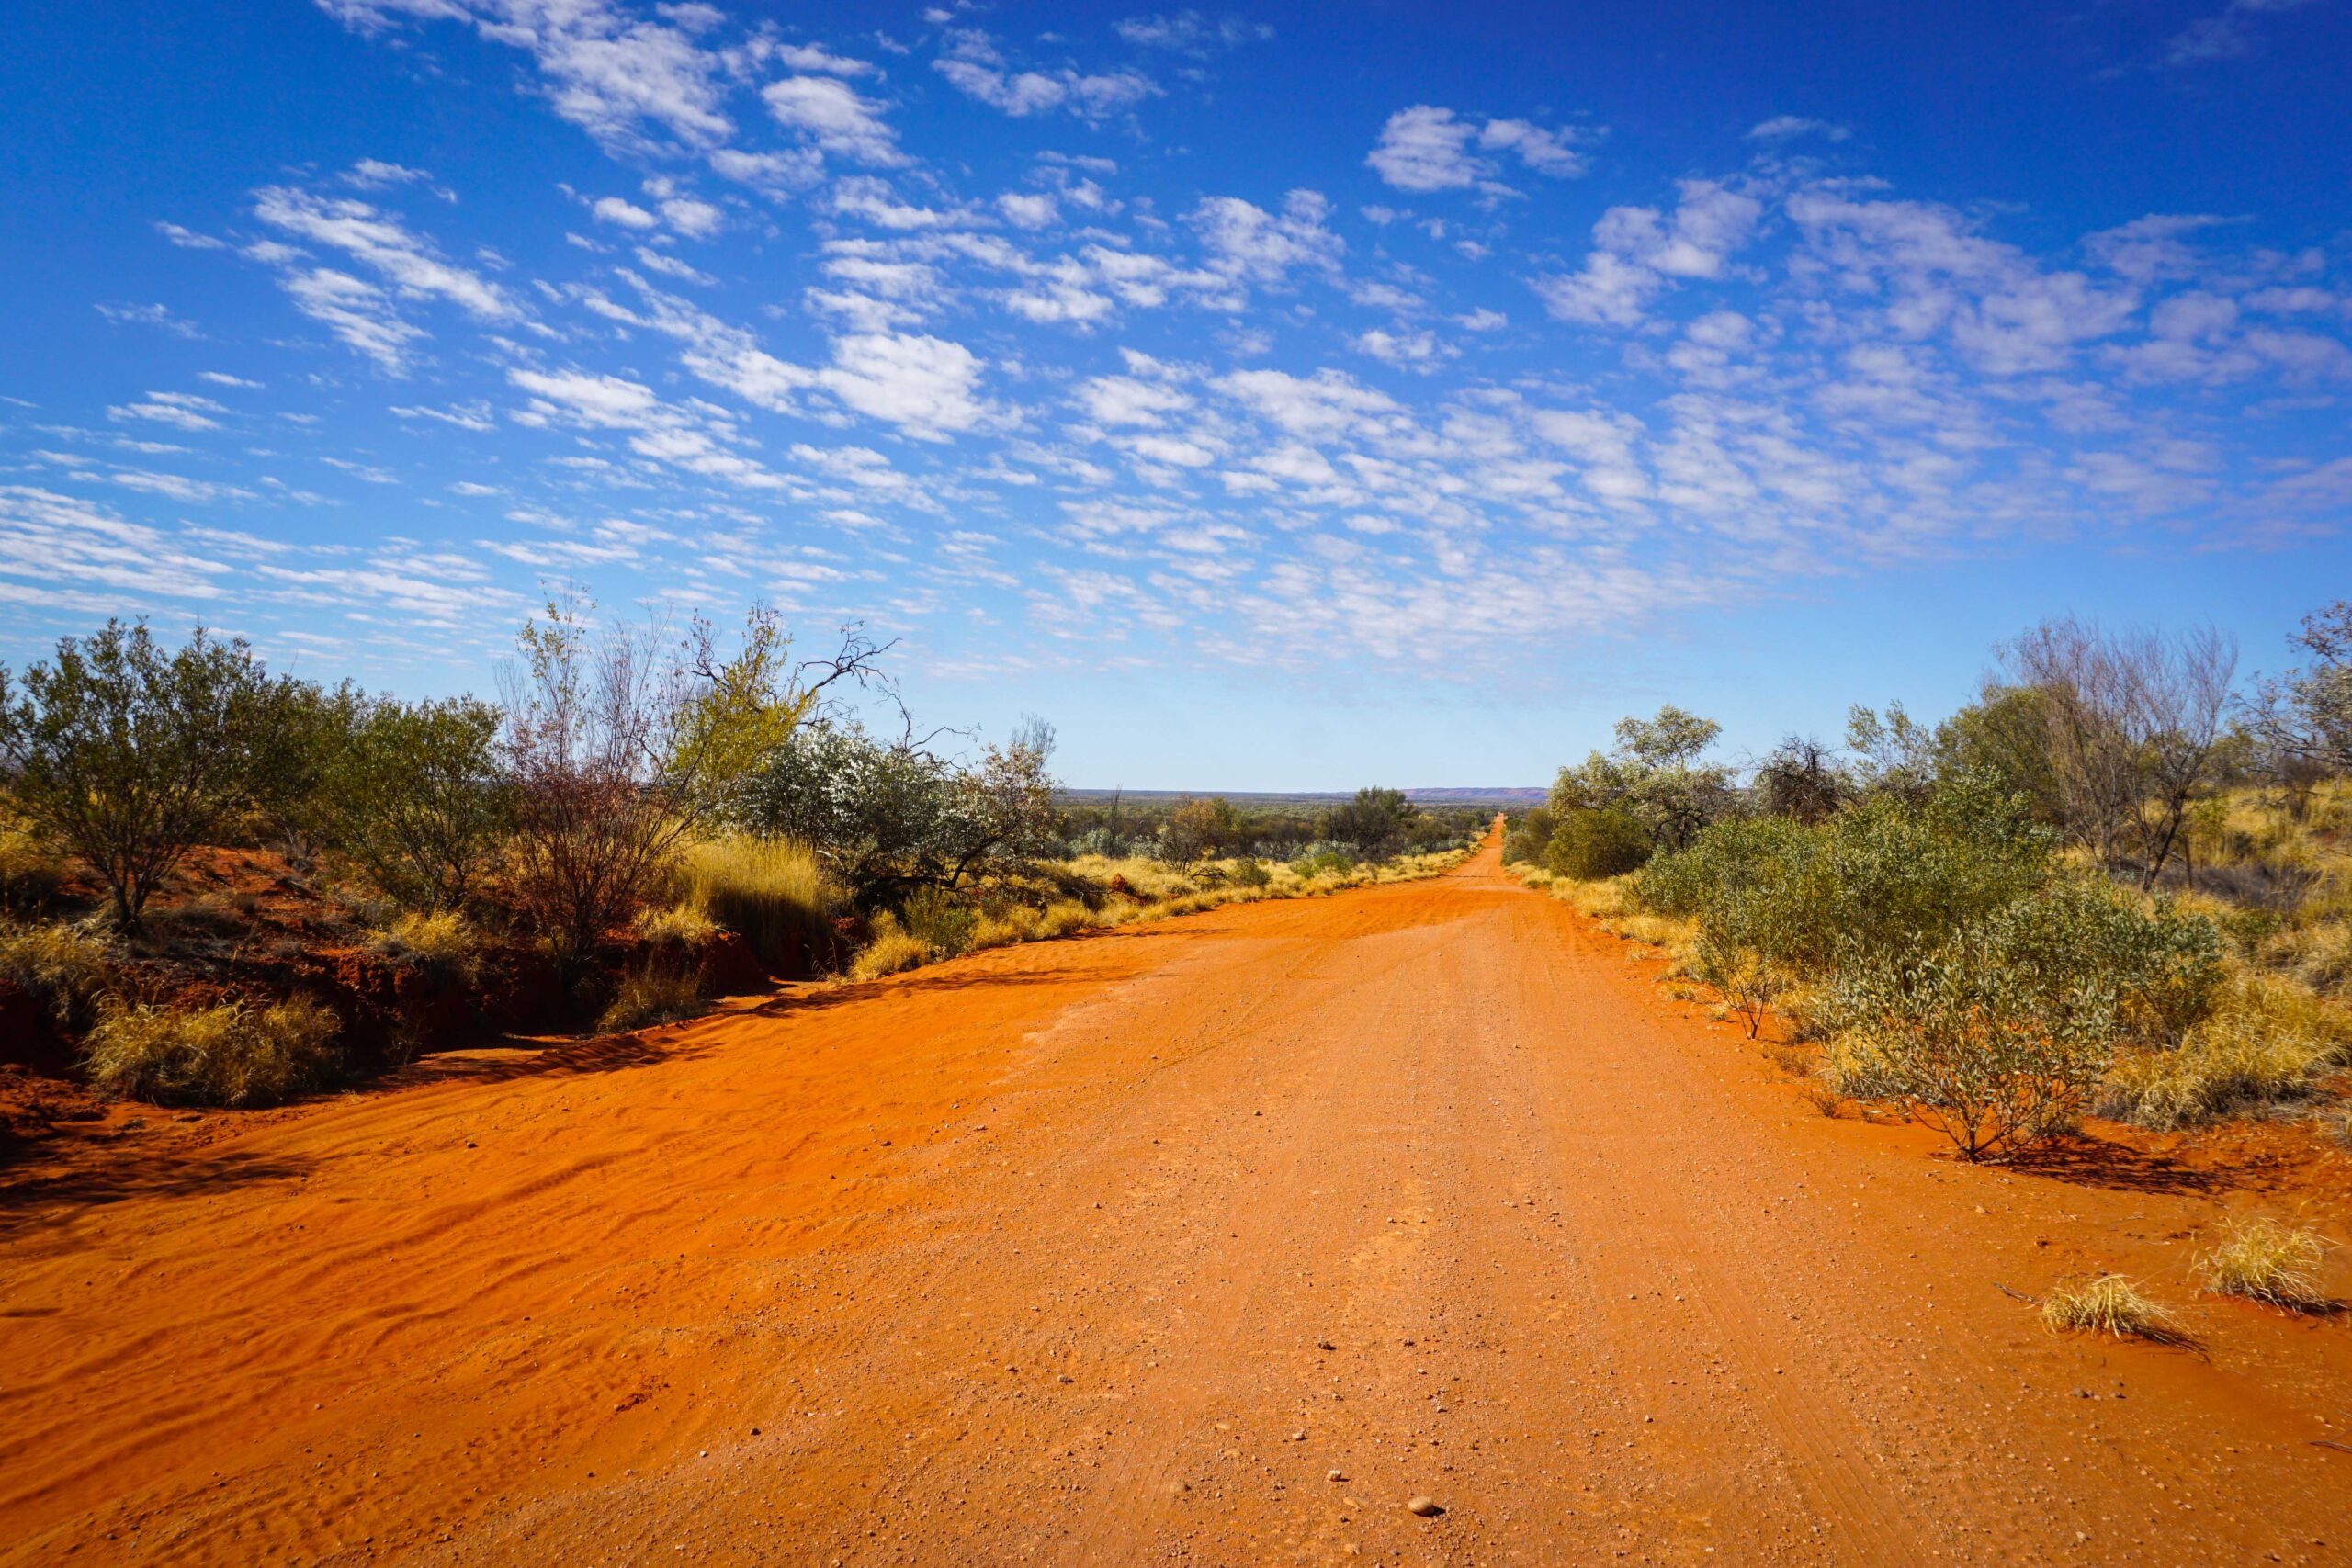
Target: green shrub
x,y
1591,845
1323,860
228,1054
939,920
66,968
1528,837
1974,1040
413,795
1250,873
661,992
2164,967
678,927
127,753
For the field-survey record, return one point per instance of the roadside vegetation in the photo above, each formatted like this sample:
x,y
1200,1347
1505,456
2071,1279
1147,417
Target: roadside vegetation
x,y
2116,884
221,886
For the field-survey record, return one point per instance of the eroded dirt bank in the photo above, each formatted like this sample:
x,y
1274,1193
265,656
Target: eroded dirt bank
x,y
1111,1250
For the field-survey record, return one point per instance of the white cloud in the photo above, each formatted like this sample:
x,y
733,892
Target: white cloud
x,y
408,262
833,115
54,548
627,214
926,385
1784,127
150,316
1636,249
975,68
184,409
616,75
1246,242
1425,148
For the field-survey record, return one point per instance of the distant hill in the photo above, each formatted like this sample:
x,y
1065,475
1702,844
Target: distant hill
x,y
1509,797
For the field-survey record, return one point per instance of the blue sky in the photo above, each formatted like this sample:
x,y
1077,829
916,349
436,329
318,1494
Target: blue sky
x,y
1276,397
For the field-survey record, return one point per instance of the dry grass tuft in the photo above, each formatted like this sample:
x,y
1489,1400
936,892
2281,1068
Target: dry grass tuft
x,y
2109,1304
2266,1262
442,941
893,951
68,969
659,993
228,1054
774,892
678,926
2265,1042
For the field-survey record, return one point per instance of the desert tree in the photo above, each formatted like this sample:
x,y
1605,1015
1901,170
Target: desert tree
x,y
891,818
2303,718
416,796
128,754
622,742
1799,779
1199,828
2132,724
1374,824
1654,775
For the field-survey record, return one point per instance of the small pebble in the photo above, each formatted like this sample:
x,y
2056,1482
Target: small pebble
x,y
1425,1507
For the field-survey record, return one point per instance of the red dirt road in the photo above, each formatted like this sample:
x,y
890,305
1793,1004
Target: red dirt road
x,y
1109,1251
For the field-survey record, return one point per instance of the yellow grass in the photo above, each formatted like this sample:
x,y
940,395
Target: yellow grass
x,y
2266,1262
230,1054
2108,1304
773,891
440,940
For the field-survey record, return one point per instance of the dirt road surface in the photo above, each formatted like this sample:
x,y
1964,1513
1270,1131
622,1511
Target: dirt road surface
x,y
1209,1242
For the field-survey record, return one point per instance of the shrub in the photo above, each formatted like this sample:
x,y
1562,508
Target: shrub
x,y
772,891
890,951
887,817
1590,845
619,750
1322,859
442,942
661,992
128,754
1974,1044
29,876
2266,1262
1528,836
1251,873
414,796
2108,1304
2164,967
232,1054
1747,980
933,917
1374,824
66,968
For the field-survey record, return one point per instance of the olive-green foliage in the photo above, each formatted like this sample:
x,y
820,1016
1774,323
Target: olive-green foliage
x,y
940,921
126,753
1654,775
413,795
662,992
1374,824
1983,1039
1589,845
1879,877
773,891
1529,835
